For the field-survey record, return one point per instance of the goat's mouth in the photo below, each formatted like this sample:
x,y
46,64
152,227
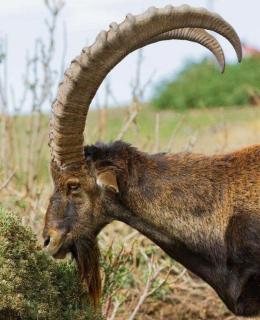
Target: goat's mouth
x,y
86,253
57,246
61,252
58,251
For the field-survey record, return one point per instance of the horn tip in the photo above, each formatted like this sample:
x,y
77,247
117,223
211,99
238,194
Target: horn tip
x,y
238,49
240,57
222,66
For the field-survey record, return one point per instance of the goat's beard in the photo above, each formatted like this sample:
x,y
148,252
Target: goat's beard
x,y
86,253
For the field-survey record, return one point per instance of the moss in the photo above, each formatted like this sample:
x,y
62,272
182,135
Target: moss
x,y
32,284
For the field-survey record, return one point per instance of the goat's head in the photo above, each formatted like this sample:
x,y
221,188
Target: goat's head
x,y
75,216
71,223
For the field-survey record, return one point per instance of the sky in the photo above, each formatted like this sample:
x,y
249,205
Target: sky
x,y
22,21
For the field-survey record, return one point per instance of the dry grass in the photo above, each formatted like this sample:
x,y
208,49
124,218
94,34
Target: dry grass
x,y
151,286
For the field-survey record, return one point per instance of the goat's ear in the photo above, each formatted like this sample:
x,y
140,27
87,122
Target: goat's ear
x,y
107,179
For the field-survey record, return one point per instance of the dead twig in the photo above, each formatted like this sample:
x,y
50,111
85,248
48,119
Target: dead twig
x,y
149,289
5,184
175,130
157,133
116,307
126,126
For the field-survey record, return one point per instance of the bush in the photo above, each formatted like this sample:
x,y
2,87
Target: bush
x,y
32,284
201,85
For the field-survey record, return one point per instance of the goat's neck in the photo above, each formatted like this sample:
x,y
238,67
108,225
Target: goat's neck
x,y
148,205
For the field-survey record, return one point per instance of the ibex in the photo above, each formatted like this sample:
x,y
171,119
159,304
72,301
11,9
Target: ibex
x,y
203,211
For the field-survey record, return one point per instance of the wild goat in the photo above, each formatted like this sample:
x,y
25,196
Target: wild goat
x,y
202,211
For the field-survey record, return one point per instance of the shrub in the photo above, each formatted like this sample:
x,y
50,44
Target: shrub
x,y
201,85
32,284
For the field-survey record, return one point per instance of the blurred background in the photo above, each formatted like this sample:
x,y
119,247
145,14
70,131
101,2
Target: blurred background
x,y
167,97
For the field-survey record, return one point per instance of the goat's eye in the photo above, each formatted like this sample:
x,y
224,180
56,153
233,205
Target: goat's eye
x,y
73,188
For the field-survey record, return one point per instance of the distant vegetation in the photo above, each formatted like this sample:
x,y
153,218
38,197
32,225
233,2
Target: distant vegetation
x,y
201,85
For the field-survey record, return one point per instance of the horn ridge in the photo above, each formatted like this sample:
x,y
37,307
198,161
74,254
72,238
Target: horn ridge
x,y
86,72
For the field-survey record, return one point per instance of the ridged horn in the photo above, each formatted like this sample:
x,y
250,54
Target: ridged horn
x,y
195,35
86,72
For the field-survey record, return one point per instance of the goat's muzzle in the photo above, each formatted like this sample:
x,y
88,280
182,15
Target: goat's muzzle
x,y
55,243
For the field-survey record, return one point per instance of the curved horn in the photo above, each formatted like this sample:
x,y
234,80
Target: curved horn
x,y
86,72
195,35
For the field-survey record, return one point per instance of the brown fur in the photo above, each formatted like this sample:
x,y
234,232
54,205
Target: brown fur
x,y
204,211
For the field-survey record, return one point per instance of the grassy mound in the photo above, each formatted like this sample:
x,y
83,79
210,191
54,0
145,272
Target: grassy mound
x,y
33,285
201,85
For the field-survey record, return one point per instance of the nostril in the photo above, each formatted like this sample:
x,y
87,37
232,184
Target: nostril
x,y
47,241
